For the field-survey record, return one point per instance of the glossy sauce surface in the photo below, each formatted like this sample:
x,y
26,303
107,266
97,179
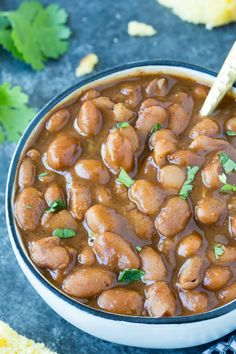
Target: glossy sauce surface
x,y
185,247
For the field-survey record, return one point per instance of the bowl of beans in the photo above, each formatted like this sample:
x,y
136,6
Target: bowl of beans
x,y
121,207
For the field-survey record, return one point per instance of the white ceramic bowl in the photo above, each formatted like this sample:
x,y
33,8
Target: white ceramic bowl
x,y
174,332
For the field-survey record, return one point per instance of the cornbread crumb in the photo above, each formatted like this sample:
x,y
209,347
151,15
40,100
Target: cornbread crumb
x,y
86,65
212,13
13,343
140,29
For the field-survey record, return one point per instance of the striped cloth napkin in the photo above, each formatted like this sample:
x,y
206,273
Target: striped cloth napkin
x,y
223,347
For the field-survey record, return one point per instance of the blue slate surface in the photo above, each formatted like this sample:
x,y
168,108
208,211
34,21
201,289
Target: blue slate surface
x,y
100,27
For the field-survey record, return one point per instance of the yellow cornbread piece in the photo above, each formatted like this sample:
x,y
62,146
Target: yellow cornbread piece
x,y
140,29
13,343
212,13
86,65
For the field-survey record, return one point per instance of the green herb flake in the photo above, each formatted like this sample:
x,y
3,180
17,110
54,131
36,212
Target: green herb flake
x,y
228,164
130,275
226,186
56,205
218,250
41,175
187,186
64,233
125,179
28,206
230,133
156,127
122,125
138,248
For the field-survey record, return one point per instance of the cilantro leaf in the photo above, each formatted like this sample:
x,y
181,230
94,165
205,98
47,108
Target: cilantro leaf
x,y
56,205
14,112
64,233
218,250
41,175
37,33
230,133
226,186
187,186
138,248
5,38
130,275
228,164
155,128
125,178
122,125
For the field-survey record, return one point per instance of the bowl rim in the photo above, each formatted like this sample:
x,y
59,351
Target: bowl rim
x,y
15,237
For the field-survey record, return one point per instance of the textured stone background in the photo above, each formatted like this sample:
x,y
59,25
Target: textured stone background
x,y
100,27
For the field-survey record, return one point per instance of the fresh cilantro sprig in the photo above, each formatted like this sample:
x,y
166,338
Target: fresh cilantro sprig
x,y
187,186
64,233
125,179
14,112
218,250
155,128
230,133
122,125
130,275
56,205
228,164
34,33
226,186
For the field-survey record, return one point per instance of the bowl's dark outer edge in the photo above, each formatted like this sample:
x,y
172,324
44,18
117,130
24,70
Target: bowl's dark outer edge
x,y
10,208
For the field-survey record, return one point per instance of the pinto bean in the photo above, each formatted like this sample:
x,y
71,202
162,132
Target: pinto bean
x,y
162,134
100,218
173,217
103,103
80,200
87,281
131,134
118,152
147,196
48,253
133,95
157,87
231,124
87,256
121,190
172,177
209,210
228,293
160,301
113,251
185,158
190,273
89,120
162,149
149,102
60,220
90,94
216,277
29,208
92,170
232,225
200,91
210,173
102,195
58,120
27,171
194,301
34,155
206,127
121,113
152,264
142,224
228,256
205,144
189,245
121,300
48,178
63,152
149,117
53,192
179,118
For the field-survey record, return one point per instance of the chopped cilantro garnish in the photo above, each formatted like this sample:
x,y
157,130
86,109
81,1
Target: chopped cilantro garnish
x,y
138,248
34,33
226,186
122,125
156,127
218,250
41,175
130,275
14,112
28,206
125,178
230,133
187,186
64,233
228,164
56,205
